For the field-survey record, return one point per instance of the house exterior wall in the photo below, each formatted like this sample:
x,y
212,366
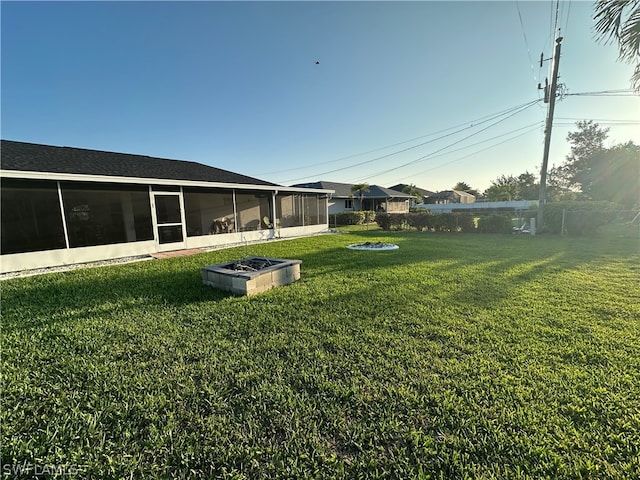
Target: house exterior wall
x,y
47,223
338,205
400,206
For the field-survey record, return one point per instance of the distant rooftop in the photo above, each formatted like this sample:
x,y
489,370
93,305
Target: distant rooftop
x,y
343,190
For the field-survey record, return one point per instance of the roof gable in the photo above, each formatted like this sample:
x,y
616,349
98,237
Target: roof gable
x,y
31,157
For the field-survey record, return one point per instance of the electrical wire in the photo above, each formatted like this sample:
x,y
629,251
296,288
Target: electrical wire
x,y
469,126
419,159
597,119
536,127
571,121
610,124
566,24
605,93
526,42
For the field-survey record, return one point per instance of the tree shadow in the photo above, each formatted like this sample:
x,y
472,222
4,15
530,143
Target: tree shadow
x,y
426,266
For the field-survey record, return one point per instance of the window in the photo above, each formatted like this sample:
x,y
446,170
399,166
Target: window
x,y
288,210
31,217
254,211
315,209
348,203
103,214
322,209
208,211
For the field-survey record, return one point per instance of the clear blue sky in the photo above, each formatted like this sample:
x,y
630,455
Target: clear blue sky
x,y
236,85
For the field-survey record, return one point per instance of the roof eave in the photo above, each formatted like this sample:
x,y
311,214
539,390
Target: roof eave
x,y
33,175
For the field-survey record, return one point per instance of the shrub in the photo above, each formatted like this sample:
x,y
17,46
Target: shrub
x,y
392,221
445,222
420,220
384,221
369,216
350,218
495,224
582,218
466,222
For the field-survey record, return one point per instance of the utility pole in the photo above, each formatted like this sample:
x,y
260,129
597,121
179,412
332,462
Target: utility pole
x,y
549,96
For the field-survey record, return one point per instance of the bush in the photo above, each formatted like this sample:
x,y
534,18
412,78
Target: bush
x,y
392,221
495,224
420,220
369,216
444,222
582,218
466,222
423,220
349,218
384,221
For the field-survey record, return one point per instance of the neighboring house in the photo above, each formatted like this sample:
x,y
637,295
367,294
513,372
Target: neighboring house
x,y
63,205
378,199
451,196
425,193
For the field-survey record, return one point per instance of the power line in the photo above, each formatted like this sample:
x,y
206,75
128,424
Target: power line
x,y
566,24
610,124
472,125
451,145
605,93
597,119
536,127
526,43
469,124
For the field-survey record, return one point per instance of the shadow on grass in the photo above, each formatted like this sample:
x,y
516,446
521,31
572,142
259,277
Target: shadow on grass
x,y
471,270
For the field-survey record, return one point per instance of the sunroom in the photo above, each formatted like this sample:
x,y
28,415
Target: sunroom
x,y
63,205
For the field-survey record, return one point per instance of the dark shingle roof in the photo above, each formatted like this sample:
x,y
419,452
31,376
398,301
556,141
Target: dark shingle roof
x,y
31,157
340,189
425,193
343,190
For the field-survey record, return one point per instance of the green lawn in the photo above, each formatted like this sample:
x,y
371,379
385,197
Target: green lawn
x,y
456,356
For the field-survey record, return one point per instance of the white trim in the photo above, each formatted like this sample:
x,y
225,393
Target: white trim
x,y
31,175
235,210
64,216
16,262
166,247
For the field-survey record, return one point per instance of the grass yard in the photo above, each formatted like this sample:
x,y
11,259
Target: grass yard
x,y
456,356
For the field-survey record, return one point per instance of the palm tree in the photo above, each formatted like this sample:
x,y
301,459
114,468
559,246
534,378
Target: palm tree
x,y
620,20
360,190
412,190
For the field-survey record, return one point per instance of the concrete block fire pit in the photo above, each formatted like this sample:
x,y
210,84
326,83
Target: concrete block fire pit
x,y
251,275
